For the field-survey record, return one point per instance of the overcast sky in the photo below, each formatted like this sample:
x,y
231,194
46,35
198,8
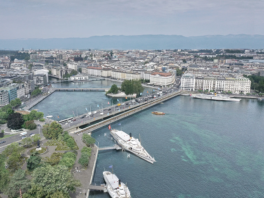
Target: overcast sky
x,y
85,18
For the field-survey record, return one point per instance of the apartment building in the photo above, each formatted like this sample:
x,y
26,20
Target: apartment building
x,y
188,82
162,79
4,98
236,85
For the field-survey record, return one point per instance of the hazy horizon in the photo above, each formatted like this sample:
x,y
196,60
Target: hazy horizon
x,y
83,18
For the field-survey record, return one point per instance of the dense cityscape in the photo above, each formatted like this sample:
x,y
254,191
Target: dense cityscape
x,y
203,70
134,81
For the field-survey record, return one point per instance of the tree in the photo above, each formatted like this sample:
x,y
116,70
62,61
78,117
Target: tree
x,y
131,87
27,141
13,161
113,89
33,162
29,125
11,148
84,159
15,121
64,64
88,140
184,61
52,131
68,162
35,139
7,109
33,115
4,175
18,182
37,192
54,178
87,150
179,72
80,70
36,92
15,102
30,66
70,143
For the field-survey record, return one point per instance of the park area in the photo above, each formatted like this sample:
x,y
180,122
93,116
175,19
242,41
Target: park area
x,y
46,167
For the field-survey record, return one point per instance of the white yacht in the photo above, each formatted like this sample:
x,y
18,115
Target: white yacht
x,y
131,144
215,97
115,187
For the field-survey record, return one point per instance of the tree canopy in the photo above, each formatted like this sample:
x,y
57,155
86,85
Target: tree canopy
x,y
30,125
88,140
52,131
113,89
18,182
4,175
257,82
132,86
86,153
68,159
15,121
54,178
33,162
33,115
15,102
36,92
5,111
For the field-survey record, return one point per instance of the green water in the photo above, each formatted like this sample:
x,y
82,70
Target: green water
x,y
203,149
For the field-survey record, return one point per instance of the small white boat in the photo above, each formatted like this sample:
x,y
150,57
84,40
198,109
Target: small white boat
x,y
49,116
115,187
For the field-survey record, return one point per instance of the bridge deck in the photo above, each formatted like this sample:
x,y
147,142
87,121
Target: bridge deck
x,y
110,147
122,114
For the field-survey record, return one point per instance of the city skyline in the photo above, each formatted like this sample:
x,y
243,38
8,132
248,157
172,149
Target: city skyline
x,y
82,19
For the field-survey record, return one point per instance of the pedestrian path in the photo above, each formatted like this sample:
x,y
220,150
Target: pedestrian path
x,y
84,175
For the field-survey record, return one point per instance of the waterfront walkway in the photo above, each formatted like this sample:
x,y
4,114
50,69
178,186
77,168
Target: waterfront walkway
x,y
84,175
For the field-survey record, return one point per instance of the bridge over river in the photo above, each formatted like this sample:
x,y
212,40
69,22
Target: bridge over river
x,y
106,118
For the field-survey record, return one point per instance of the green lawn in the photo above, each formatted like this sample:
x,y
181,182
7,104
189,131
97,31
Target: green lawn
x,y
6,136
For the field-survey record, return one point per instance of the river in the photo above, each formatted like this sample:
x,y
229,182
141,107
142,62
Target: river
x,y
203,149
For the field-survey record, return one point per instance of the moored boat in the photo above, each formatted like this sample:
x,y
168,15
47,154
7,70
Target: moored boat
x,y
215,97
115,187
131,144
158,113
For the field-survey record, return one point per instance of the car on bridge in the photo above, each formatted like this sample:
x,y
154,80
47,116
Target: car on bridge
x,y
83,116
2,142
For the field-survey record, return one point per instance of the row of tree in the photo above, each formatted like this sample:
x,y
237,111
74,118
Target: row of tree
x,y
72,73
18,121
36,92
132,86
257,82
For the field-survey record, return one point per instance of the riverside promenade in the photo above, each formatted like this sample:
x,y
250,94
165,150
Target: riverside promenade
x,y
84,175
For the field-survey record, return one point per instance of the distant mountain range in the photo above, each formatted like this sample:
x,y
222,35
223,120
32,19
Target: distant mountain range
x,y
139,42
